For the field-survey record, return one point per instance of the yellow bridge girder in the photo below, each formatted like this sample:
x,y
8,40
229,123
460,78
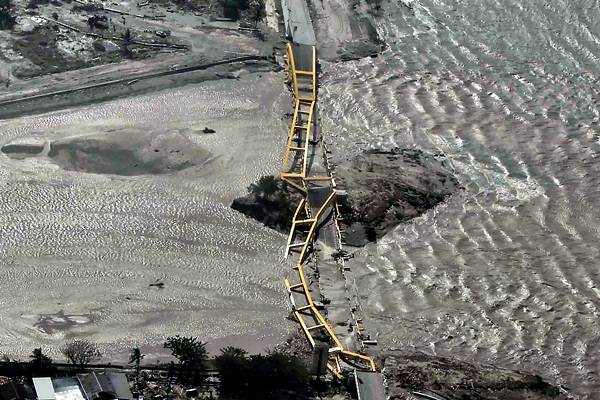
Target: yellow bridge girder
x,y
294,171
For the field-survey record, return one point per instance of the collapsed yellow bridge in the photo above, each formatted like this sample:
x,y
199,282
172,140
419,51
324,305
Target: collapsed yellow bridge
x,y
315,222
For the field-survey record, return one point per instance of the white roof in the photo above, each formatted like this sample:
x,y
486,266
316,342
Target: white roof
x,y
44,388
67,389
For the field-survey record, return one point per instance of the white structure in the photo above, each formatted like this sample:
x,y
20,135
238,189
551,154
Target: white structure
x,y
58,389
44,388
84,387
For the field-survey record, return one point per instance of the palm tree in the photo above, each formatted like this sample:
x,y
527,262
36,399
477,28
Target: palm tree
x,y
40,363
232,351
136,357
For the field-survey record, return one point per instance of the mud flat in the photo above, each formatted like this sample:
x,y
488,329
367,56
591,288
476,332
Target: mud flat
x,y
387,187
120,152
346,29
115,223
409,373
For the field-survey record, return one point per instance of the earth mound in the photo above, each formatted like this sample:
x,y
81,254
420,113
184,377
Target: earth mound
x,y
269,201
128,152
386,188
407,183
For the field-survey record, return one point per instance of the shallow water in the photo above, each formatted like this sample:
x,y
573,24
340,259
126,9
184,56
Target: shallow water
x,y
506,272
78,251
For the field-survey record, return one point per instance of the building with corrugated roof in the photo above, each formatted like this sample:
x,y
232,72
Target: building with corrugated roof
x,y
11,390
89,386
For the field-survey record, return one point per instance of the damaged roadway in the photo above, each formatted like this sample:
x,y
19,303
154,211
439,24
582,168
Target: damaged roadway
x,y
149,47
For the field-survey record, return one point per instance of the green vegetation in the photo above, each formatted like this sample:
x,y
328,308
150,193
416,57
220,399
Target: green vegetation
x,y
256,11
7,19
266,187
273,193
271,189
88,7
33,4
192,356
275,376
233,8
270,202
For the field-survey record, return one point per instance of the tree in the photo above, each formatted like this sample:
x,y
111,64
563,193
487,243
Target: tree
x,y
136,357
40,363
231,351
232,8
232,364
81,352
275,376
7,19
256,10
192,356
125,50
266,187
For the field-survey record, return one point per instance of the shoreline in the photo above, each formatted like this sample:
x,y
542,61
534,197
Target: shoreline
x,y
130,79
126,84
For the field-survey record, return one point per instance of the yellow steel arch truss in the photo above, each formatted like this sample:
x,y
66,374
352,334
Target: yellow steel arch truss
x,y
296,172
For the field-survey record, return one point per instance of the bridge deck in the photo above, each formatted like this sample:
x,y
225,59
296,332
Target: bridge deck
x,y
314,224
369,385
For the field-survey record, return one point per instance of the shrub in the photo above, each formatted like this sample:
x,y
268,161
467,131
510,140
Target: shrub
x,y
81,352
266,187
88,7
33,4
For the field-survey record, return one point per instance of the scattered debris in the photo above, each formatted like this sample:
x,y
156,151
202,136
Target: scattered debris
x,y
97,21
157,283
163,34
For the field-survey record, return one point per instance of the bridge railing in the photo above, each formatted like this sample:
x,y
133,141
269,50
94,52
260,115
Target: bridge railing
x,y
305,222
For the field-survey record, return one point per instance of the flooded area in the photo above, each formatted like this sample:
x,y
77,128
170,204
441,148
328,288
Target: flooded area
x,y
506,272
130,260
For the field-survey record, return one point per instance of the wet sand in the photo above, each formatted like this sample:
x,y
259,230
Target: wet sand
x,y
79,251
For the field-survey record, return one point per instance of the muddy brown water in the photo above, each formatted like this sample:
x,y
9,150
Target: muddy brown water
x,y
507,271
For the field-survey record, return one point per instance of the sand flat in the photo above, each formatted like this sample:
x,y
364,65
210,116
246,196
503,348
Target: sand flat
x,y
83,244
